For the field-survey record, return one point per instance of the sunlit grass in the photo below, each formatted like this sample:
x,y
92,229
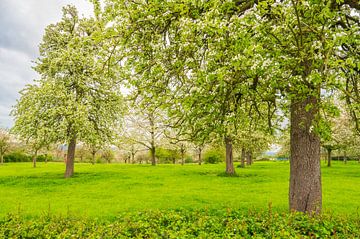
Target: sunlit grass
x,y
104,190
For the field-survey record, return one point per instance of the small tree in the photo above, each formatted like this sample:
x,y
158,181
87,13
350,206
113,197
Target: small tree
x,y
4,144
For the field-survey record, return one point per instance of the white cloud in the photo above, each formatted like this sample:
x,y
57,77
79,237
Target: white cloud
x,y
22,25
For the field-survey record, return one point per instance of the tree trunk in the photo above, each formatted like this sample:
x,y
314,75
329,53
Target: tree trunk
x,y
153,159
329,157
200,159
243,156
305,193
2,159
34,159
70,158
230,170
345,157
182,156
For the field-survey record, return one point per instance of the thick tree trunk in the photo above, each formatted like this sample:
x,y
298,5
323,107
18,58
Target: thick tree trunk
x,y
243,156
329,157
305,193
153,158
230,170
70,158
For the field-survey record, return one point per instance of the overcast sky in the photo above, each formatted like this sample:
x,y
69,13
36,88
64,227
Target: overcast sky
x,y
22,24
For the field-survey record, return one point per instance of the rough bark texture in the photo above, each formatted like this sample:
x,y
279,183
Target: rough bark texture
x,y
70,158
305,176
329,157
229,157
243,156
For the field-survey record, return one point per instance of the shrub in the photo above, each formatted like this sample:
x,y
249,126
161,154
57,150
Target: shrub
x,y
44,158
17,157
213,156
189,159
184,224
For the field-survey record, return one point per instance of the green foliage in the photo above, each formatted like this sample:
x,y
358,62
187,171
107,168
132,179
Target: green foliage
x,y
167,155
189,159
214,156
183,224
76,97
44,158
17,156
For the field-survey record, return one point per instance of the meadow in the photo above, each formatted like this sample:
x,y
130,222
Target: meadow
x,y
104,191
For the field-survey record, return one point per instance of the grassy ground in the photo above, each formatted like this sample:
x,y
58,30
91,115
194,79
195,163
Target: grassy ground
x,y
105,190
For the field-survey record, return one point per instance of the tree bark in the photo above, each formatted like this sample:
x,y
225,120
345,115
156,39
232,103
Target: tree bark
x,y
153,158
345,157
69,172
305,193
200,159
230,170
2,159
243,156
34,159
329,157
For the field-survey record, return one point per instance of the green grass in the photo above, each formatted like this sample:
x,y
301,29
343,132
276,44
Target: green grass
x,y
104,191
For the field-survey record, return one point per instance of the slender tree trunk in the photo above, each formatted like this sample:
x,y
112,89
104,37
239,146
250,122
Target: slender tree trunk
x,y
2,159
345,157
305,193
243,156
70,158
34,159
182,154
329,157
153,158
230,170
200,159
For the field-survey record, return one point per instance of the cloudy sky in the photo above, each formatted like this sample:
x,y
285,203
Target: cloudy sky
x,y
22,24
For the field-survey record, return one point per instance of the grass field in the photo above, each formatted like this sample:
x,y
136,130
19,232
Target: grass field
x,y
105,190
